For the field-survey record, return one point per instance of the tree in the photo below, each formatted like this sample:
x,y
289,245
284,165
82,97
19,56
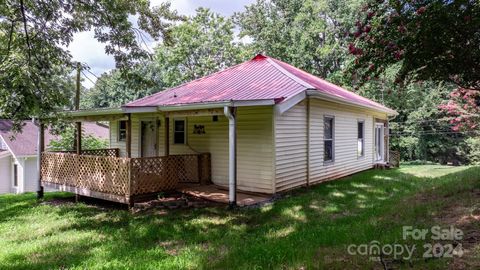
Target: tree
x,y
306,33
431,39
34,35
67,138
203,44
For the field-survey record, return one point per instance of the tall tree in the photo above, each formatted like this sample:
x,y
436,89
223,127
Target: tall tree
x,y
34,35
204,44
432,40
309,34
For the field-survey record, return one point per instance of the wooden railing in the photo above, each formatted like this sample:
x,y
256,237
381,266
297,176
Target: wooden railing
x,y
107,152
394,158
123,178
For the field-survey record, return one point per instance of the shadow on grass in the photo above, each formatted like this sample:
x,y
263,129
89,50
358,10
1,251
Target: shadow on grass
x,y
309,227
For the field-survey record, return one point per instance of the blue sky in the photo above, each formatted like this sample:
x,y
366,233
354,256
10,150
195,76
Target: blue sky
x,y
85,48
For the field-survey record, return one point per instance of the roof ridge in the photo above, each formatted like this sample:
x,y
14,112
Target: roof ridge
x,y
289,74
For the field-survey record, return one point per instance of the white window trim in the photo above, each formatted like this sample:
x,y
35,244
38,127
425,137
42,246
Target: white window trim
x,y
184,130
331,161
363,139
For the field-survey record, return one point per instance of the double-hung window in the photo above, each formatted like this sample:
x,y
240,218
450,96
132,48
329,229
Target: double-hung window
x,y
328,139
122,130
360,138
179,133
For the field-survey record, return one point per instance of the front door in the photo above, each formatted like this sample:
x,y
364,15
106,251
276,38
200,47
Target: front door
x,y
379,142
148,139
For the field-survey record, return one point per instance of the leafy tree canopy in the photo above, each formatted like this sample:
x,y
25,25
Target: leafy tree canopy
x,y
308,34
432,40
203,44
34,35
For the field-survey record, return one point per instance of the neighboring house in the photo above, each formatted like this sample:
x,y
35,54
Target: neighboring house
x,y
18,154
267,125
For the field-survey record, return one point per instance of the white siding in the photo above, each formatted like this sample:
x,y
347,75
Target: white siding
x,y
5,175
254,147
291,147
255,153
31,176
291,143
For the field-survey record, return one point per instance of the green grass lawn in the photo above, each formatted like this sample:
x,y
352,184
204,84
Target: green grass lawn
x,y
309,228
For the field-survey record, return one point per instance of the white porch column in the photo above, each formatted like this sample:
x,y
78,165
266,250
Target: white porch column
x,y
230,113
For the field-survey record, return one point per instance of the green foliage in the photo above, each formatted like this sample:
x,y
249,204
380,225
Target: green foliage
x,y
308,34
306,229
473,153
431,39
34,35
203,44
67,139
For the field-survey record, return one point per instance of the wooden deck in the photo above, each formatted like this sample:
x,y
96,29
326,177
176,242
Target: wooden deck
x,y
218,194
109,177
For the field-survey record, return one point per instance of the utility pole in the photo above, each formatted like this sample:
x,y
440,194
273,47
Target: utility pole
x,y
77,143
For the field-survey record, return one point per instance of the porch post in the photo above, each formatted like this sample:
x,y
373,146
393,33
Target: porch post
x,y
128,140
40,150
167,136
79,138
230,113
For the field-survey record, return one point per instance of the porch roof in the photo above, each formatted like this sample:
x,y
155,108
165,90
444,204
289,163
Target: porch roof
x,y
263,80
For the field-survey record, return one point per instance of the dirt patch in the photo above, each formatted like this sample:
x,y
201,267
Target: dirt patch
x,y
174,201
462,211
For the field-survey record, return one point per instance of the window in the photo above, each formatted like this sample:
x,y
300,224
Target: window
x,y
328,138
122,130
15,175
360,139
179,132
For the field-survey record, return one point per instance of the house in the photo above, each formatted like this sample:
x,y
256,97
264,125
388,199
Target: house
x,y
18,155
267,127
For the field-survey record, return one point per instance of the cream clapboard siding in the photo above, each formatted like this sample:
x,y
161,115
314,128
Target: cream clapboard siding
x,y
31,176
291,143
5,176
255,152
291,147
254,147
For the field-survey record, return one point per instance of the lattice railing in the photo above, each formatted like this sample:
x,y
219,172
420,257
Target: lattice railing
x,y
394,158
97,173
107,152
156,174
124,176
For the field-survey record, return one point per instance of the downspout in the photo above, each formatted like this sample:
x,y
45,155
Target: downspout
x,y
230,113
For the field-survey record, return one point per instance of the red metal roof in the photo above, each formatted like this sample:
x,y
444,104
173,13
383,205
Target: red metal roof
x,y
25,143
262,78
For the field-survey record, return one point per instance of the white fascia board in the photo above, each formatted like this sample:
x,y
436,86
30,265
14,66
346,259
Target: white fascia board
x,y
290,102
261,102
319,95
94,112
139,109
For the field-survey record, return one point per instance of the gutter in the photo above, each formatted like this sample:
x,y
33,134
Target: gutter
x,y
94,112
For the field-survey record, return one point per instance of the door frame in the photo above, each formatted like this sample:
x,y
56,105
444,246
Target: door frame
x,y
381,141
140,134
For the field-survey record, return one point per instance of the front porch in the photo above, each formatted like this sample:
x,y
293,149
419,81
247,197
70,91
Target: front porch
x,y
125,180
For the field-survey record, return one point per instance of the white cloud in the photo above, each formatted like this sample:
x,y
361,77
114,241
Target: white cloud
x,y
85,48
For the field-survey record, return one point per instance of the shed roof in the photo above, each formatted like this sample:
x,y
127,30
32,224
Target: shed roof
x,y
262,78
25,143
